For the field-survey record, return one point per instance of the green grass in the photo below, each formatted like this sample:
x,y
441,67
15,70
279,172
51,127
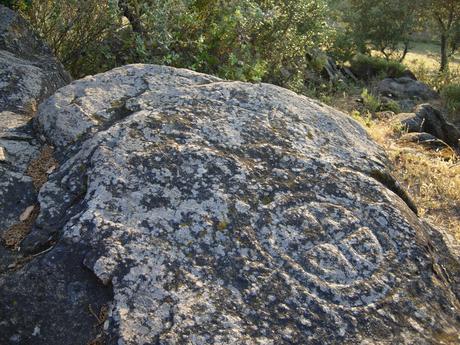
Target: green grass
x,y
424,60
371,102
451,96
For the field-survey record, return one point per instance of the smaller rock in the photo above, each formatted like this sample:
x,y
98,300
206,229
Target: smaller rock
x,y
405,88
407,105
26,214
335,72
429,120
347,72
427,140
50,170
435,123
410,122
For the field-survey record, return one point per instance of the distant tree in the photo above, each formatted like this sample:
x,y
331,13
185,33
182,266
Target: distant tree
x,y
455,41
382,25
445,15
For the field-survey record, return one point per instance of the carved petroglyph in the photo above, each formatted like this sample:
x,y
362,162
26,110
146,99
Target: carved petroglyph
x,y
325,248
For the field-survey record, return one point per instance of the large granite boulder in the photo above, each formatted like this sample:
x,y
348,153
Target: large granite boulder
x,y
28,74
215,212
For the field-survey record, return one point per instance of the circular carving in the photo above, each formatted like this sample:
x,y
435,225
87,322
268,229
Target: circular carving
x,y
327,249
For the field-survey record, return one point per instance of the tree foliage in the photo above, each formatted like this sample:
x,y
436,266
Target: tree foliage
x,y
274,41
74,29
382,25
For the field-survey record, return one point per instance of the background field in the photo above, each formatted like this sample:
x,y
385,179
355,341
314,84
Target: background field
x,y
428,53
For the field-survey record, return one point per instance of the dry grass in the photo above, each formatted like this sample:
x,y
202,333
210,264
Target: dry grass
x,y
432,179
100,338
435,186
14,235
40,167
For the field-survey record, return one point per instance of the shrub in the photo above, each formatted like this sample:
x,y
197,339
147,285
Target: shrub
x,y
381,25
7,3
16,4
74,30
343,47
250,40
367,67
370,102
391,105
451,96
364,119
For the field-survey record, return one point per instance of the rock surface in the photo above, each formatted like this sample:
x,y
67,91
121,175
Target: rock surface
x,y
28,70
409,74
28,74
405,88
223,213
435,123
427,119
183,209
43,299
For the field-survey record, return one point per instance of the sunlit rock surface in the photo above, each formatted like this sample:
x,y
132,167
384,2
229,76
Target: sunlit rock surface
x,y
230,213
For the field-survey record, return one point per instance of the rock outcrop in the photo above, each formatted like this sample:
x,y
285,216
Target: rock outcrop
x,y
28,74
43,300
28,70
405,88
218,212
427,119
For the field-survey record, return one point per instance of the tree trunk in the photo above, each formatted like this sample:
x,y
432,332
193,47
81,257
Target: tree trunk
x,y
405,51
444,53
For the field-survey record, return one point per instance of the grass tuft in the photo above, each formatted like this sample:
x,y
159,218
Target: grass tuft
x,y
451,96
